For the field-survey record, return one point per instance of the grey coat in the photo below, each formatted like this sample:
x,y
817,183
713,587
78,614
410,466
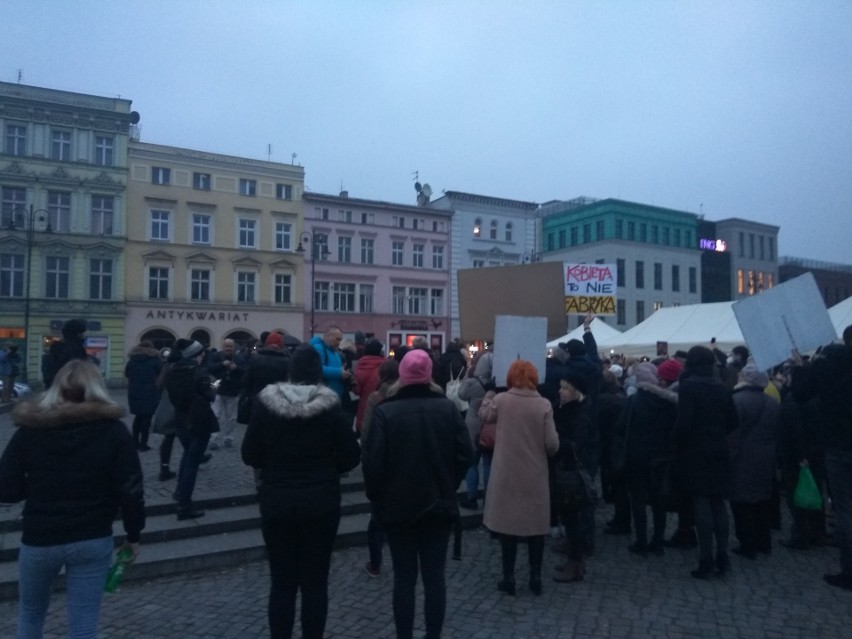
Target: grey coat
x,y
752,445
472,391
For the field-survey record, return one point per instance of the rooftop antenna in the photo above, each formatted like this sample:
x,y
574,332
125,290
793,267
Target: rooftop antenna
x,y
20,75
269,152
293,158
416,175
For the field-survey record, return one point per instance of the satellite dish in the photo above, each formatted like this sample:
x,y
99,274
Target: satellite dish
x,y
417,187
426,190
134,117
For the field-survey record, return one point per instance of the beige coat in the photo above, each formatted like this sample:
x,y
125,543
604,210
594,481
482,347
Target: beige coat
x,y
518,498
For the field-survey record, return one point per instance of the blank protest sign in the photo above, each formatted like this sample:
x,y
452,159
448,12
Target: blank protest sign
x,y
790,315
518,338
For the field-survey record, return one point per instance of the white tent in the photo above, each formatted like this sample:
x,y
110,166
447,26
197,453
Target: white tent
x,y
603,332
841,315
682,327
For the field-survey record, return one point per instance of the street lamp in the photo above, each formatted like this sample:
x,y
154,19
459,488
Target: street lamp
x,y
27,219
529,257
308,237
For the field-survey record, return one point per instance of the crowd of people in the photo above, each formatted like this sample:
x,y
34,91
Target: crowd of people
x,y
703,434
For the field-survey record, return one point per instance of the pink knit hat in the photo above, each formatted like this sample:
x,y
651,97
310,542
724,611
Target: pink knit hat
x,y
415,368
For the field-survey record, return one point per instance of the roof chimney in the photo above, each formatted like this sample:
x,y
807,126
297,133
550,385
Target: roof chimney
x,y
344,194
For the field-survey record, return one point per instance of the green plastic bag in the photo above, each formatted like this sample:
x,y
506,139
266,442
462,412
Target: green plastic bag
x,y
807,495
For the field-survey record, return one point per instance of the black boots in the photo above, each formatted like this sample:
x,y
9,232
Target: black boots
x,y
509,550
704,570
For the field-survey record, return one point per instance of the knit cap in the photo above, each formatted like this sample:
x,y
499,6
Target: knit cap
x,y
415,368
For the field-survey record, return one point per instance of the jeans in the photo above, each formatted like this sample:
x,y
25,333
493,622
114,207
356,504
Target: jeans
x,y
225,408
711,520
86,567
472,476
194,446
424,543
838,467
299,552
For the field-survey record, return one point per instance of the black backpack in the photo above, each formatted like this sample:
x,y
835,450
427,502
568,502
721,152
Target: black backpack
x,y
180,385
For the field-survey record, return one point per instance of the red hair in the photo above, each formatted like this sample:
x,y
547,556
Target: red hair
x,y
522,374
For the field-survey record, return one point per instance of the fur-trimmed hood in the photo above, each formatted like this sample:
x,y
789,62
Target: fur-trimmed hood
x,y
32,415
662,393
143,351
297,400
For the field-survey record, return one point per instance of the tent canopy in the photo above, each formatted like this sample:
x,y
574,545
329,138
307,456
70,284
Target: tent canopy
x,y
682,327
603,332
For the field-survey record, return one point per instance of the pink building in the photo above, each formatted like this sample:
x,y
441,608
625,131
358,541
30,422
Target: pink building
x,y
378,267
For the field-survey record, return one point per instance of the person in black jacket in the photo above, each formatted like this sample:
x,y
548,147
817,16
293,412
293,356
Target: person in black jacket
x,y
268,365
228,368
142,369
415,457
71,346
299,442
75,464
706,415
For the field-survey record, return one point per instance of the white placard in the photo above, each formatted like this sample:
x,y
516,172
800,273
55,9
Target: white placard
x,y
790,315
518,338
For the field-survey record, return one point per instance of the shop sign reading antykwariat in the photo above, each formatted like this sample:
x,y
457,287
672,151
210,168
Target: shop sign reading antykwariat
x,y
590,288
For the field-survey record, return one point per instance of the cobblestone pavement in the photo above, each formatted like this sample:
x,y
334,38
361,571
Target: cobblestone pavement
x,y
623,595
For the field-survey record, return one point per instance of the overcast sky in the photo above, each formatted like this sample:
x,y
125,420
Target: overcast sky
x,y
733,109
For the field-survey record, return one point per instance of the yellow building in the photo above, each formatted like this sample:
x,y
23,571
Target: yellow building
x,y
62,201
211,245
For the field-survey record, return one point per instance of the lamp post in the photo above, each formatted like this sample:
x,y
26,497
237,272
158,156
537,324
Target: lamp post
x,y
26,219
308,237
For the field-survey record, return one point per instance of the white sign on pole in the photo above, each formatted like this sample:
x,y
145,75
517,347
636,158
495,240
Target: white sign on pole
x,y
518,338
790,315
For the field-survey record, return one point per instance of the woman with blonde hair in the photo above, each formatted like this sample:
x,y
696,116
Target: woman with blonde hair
x,y
518,500
75,463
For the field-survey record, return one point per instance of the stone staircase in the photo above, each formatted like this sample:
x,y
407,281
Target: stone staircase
x,y
228,535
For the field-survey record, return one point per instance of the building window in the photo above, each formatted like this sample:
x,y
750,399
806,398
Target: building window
x,y
477,227
160,225
158,283
344,216
321,296
658,276
677,237
104,147
676,278
283,288
11,275
398,297
321,247
631,231
562,237
620,312
367,250
436,302
417,255
16,139
368,218
478,263
59,211
655,234
437,226
323,214
693,279
550,243
751,244
199,285
365,298
248,187
246,286
100,279
57,271
201,225
761,247
687,239
619,229
772,250
417,224
438,257
640,274
643,232
587,233
667,236
760,282
161,175
398,221
284,191
575,236
246,233
770,284
283,236
60,148
508,235
492,234
344,298
201,181
397,253
417,301
344,249
740,281
103,213
742,245
621,268
751,283
599,230
640,311
13,205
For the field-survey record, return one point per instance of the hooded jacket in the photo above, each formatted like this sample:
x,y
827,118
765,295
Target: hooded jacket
x,y
76,466
648,424
332,365
300,442
142,369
